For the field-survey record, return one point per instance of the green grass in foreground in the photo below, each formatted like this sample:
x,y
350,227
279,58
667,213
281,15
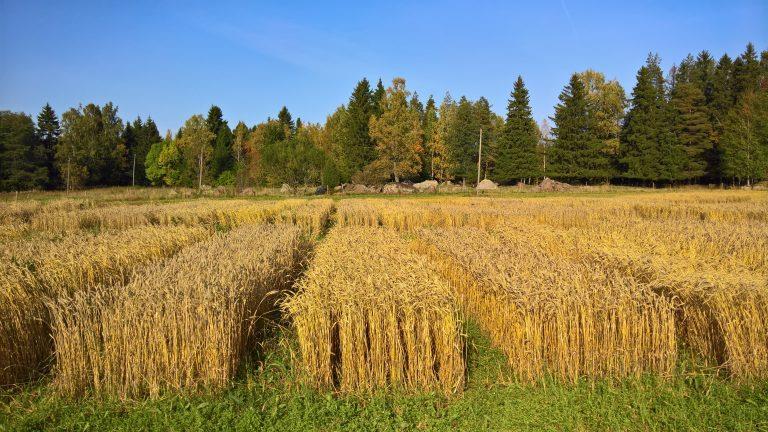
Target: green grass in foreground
x,y
269,399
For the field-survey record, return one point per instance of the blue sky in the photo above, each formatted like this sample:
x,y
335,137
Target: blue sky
x,y
174,59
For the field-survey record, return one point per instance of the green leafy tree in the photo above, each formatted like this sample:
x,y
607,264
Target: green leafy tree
x,y
441,139
239,145
292,160
195,146
517,156
745,139
164,163
90,151
22,155
48,132
334,142
397,133
607,103
490,124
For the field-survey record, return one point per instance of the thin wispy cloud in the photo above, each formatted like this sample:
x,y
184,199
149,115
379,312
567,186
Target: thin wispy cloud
x,y
568,17
309,48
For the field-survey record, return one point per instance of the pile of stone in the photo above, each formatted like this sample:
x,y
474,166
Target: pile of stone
x,y
486,185
549,185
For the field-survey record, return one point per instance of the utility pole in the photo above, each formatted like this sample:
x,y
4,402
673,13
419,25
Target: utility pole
x,y
68,162
133,173
479,156
200,175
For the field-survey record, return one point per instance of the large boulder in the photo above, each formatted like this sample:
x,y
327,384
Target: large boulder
x,y
549,185
321,190
447,186
397,188
426,186
357,189
286,189
487,185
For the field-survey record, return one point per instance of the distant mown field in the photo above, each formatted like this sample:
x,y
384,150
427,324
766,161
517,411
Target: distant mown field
x,y
594,309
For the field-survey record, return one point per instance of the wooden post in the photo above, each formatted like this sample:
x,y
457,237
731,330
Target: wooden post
x,y
200,174
68,162
479,155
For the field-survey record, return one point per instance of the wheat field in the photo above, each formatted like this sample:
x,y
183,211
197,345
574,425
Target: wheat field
x,y
131,300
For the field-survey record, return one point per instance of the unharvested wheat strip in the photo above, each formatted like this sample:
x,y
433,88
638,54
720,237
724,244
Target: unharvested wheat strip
x,y
722,315
716,271
182,324
371,315
550,308
126,216
40,273
222,213
312,216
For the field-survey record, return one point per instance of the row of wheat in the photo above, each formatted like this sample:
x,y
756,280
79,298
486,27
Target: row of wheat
x,y
704,253
553,309
716,272
370,315
46,266
185,323
37,272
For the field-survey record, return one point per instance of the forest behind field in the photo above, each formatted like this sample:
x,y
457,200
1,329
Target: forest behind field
x,y
703,121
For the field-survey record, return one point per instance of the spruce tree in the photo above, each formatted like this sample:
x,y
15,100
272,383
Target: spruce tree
x,y
48,132
692,129
22,156
149,136
517,157
462,145
577,153
130,142
429,127
703,75
647,151
746,72
222,159
416,106
357,148
284,117
376,98
215,119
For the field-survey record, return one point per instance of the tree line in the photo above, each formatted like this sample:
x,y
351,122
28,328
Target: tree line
x,y
704,121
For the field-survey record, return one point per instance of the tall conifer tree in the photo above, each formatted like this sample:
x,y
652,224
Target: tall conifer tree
x,y
577,153
48,132
647,149
517,157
